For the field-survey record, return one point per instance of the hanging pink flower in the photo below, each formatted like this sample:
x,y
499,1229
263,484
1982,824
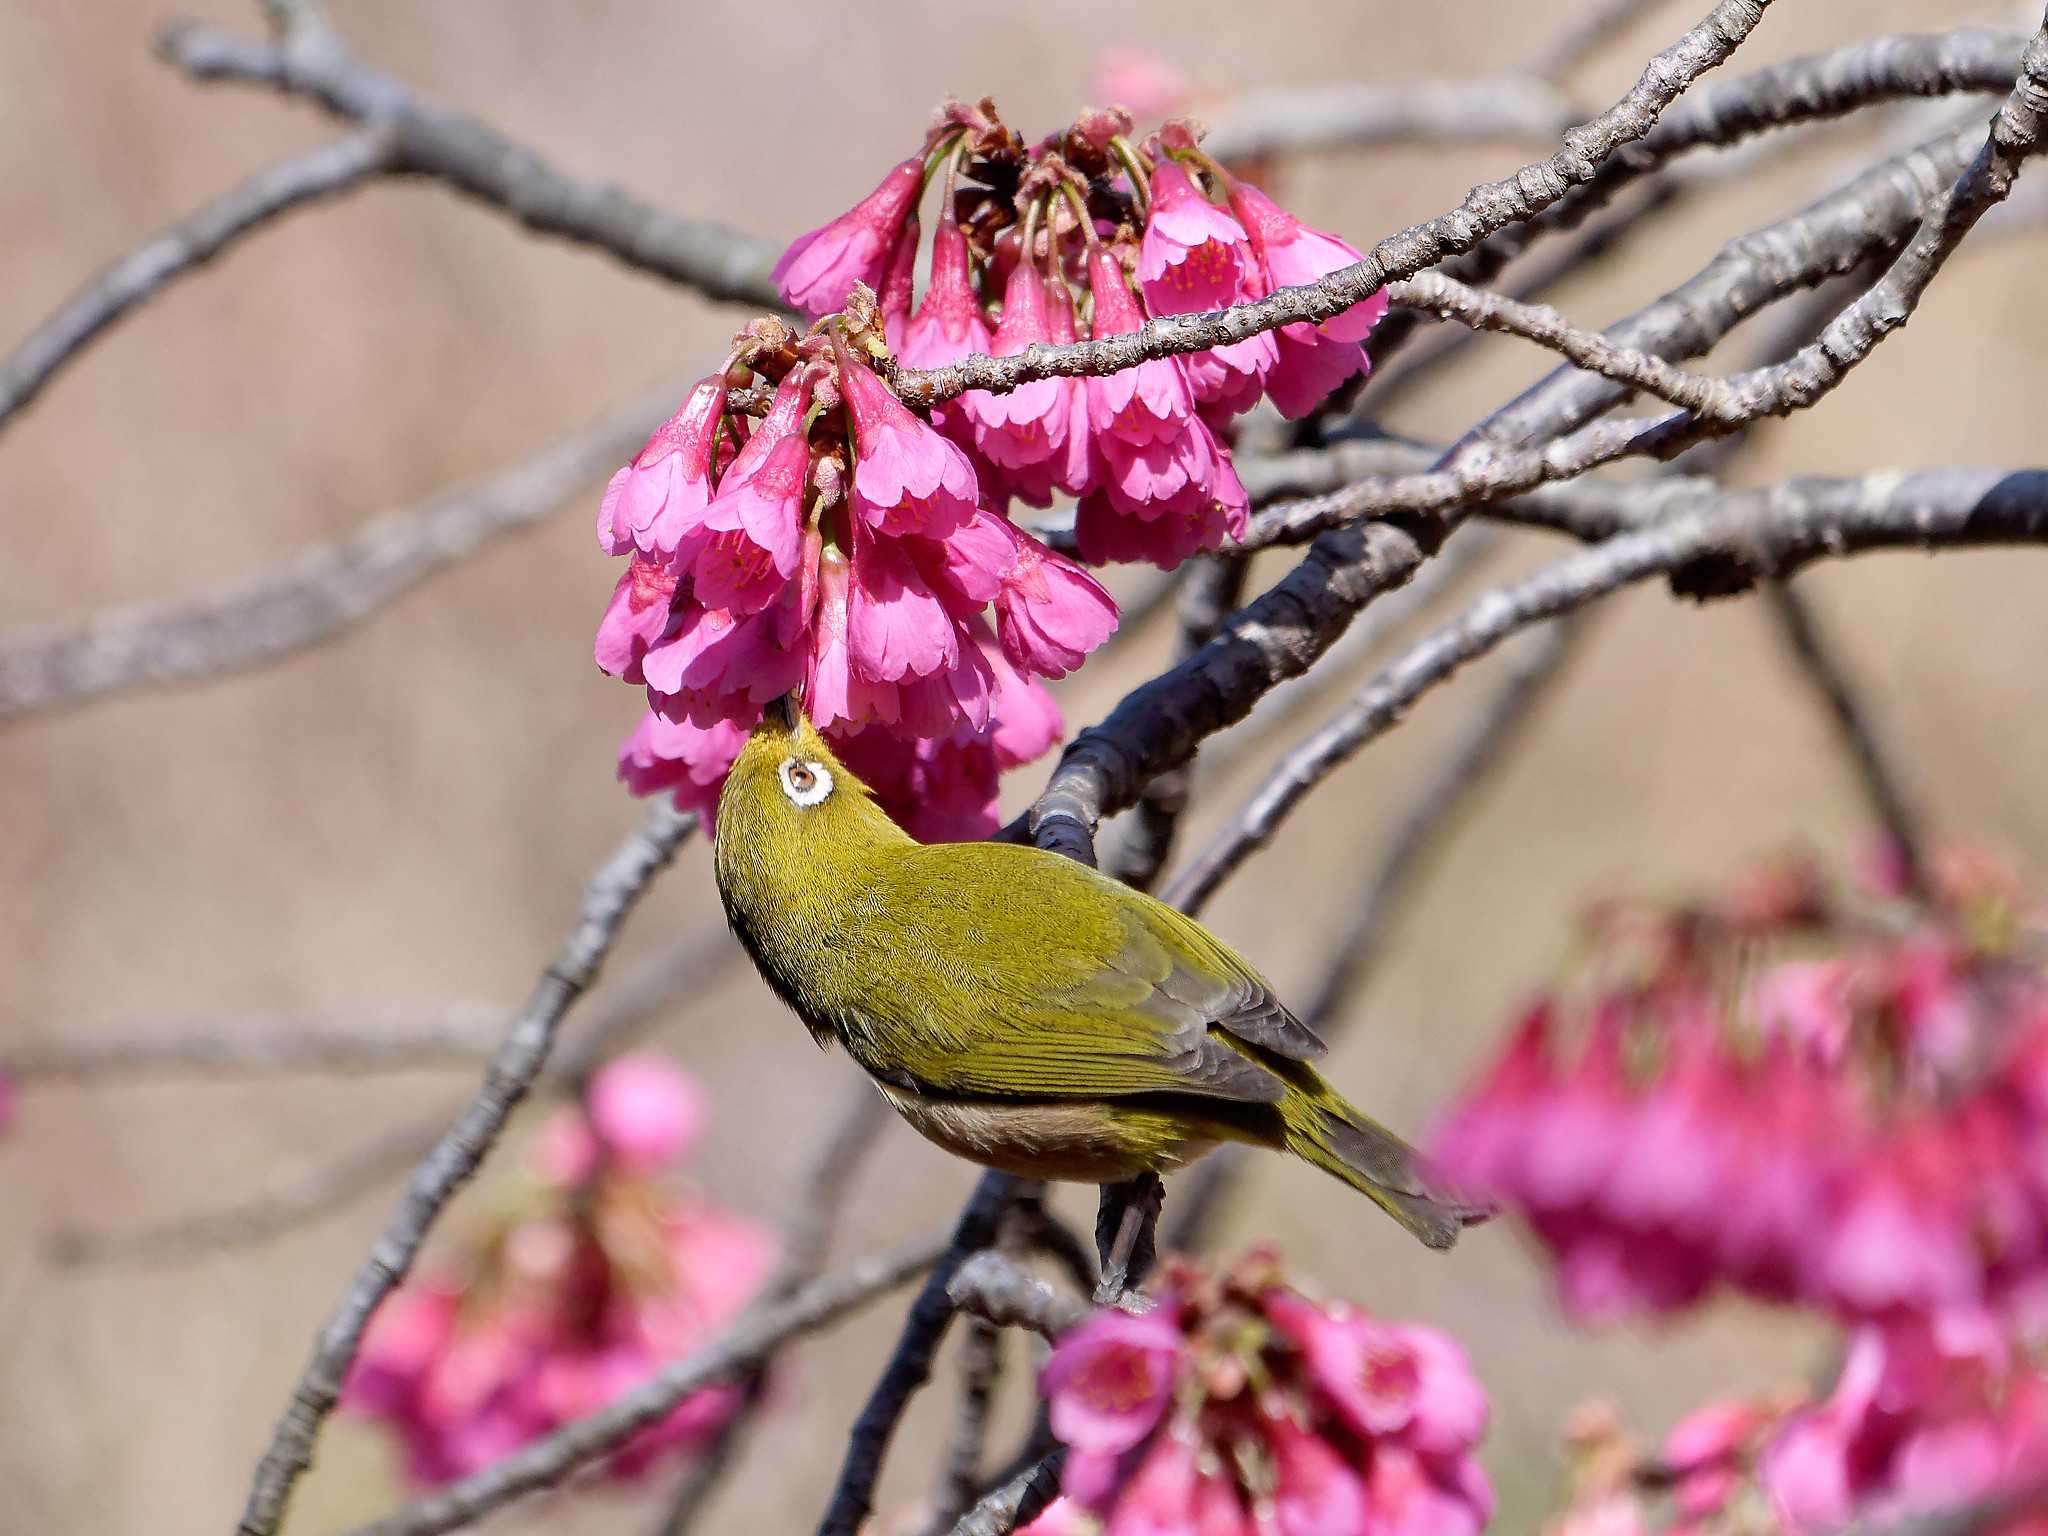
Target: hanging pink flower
x,y
820,268
1235,1405
1023,432
603,1276
635,618
656,500
907,478
1049,612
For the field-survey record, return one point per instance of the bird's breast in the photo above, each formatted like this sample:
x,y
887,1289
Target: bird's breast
x,y
1086,1142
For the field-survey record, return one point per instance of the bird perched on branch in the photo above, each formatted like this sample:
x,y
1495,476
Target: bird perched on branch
x,y
1020,1009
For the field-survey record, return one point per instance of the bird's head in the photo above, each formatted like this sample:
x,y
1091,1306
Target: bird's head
x,y
789,795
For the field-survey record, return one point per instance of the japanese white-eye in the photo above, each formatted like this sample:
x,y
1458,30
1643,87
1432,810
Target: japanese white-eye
x,y
1020,1009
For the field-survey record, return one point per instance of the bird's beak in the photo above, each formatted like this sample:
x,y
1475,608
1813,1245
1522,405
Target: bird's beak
x,y
786,711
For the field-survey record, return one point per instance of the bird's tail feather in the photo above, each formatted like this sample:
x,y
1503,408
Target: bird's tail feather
x,y
1373,1160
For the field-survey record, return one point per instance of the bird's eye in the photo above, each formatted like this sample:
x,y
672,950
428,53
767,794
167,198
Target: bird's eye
x,y
805,783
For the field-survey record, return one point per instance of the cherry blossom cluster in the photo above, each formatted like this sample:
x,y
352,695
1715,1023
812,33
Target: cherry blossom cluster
x,y
826,540
593,1276
1823,1097
1237,1404
1926,1414
1088,234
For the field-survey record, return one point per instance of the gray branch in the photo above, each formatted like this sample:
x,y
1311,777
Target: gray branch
x,y
607,900
996,1288
326,591
295,182
1431,111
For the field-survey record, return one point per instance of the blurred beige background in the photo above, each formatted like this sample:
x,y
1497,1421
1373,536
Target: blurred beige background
x,y
401,820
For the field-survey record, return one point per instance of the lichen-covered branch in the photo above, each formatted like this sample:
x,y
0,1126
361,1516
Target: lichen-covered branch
x,y
610,896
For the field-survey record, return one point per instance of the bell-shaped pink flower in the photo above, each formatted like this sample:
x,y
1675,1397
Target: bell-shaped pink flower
x,y
1159,1500
948,324
835,692
656,500
1049,612
712,665
1134,406
1417,1495
751,536
635,618
899,286
1312,359
820,268
647,1113
1024,431
676,755
1315,1493
1194,256
897,626
1294,255
907,478
1110,1378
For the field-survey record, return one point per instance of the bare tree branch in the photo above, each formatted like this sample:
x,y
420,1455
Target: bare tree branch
x,y
996,1288
1210,592
607,900
294,182
458,1038
1486,208
757,1334
1816,654
1017,1502
476,159
327,590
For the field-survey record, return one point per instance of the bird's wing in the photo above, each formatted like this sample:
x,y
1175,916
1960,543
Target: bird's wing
x,y
1055,982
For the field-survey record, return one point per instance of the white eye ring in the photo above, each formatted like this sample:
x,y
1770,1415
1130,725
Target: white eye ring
x,y
805,782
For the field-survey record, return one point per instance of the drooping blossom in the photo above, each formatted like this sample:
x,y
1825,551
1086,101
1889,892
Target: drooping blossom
x,y
659,498
1195,257
1238,1405
602,1273
1312,359
1784,1092
819,269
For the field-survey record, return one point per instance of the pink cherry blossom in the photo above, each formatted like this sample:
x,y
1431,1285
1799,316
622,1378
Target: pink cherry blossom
x,y
899,285
907,478
1315,1493
1049,612
1159,1500
589,1283
1138,405
636,617
646,1112
1295,255
692,761
656,500
1023,432
1194,256
1109,1379
820,268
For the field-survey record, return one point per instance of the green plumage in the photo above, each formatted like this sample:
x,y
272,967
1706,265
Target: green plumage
x,y
1019,1008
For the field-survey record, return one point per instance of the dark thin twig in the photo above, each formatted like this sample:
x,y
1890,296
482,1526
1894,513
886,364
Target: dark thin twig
x,y
478,160
294,182
981,1370
1210,591
910,1363
607,900
1816,654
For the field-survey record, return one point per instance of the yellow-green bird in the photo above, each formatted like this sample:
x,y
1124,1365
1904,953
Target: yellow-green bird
x,y
1020,1009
